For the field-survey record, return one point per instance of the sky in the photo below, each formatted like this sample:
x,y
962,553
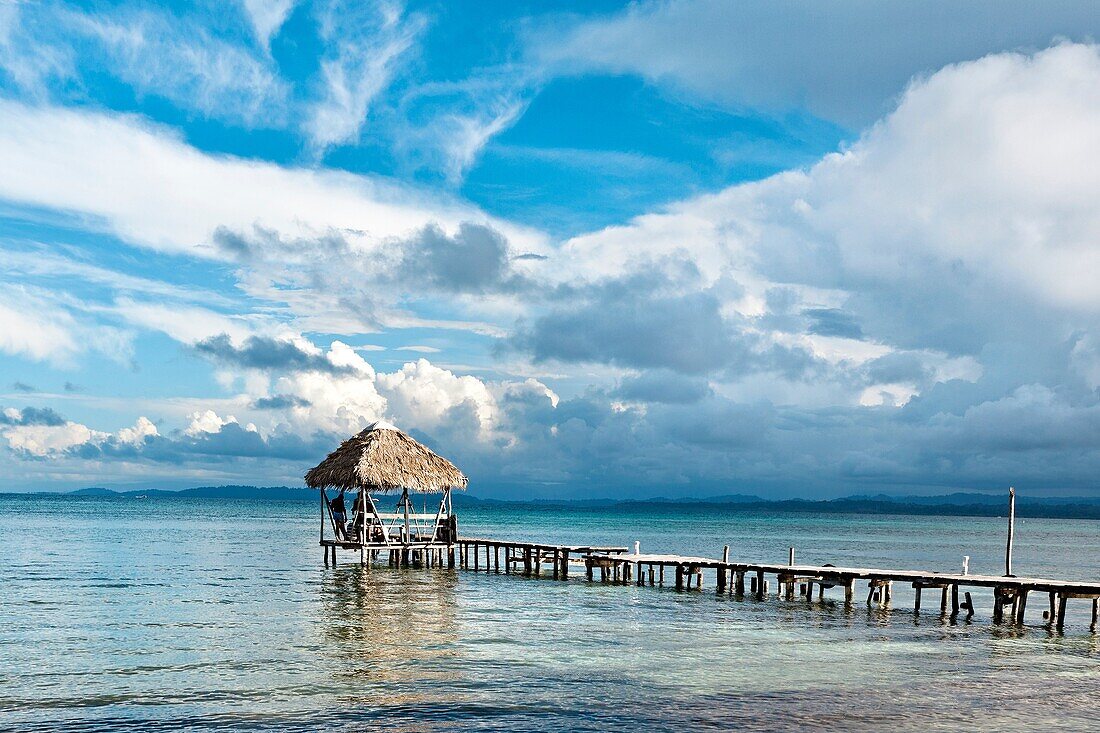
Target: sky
x,y
591,249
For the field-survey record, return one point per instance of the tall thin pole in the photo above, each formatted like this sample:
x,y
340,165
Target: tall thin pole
x,y
1011,527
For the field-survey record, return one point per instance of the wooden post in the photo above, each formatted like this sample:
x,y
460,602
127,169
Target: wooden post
x,y
679,577
1052,597
943,599
969,606
722,576
1011,527
954,601
998,605
849,591
538,560
1095,613
651,574
1062,598
916,600
588,567
790,557
661,575
565,564
477,557
739,583
760,590
496,557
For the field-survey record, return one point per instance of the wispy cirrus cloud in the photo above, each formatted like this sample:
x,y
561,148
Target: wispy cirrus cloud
x,y
365,44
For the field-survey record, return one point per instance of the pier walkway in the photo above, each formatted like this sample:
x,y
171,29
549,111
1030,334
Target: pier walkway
x,y
618,565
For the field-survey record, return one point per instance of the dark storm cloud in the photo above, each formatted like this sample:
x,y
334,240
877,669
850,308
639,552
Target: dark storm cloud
x,y
649,320
904,367
474,260
280,402
261,352
833,322
663,386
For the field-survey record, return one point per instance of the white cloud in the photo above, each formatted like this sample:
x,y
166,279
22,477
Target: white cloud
x,y
142,183
47,440
973,200
42,440
206,421
420,394
177,59
28,63
186,324
267,17
40,326
366,43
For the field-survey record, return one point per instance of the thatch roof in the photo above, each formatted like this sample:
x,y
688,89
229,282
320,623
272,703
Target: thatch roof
x,y
382,458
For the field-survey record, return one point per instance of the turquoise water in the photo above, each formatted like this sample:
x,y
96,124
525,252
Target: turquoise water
x,y
192,614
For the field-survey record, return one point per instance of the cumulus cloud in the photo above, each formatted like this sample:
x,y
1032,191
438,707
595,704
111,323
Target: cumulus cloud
x,y
914,311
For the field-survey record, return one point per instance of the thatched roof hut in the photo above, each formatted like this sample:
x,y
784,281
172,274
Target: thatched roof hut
x,y
383,459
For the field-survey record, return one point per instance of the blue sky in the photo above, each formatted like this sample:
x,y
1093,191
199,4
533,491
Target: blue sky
x,y
660,248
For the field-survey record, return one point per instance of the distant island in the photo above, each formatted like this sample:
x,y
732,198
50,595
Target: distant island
x,y
955,504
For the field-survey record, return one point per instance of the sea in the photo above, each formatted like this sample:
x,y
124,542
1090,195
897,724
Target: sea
x,y
181,614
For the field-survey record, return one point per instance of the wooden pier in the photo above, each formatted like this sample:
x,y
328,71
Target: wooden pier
x,y
752,580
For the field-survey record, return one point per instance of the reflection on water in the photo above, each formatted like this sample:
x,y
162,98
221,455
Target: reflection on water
x,y
390,626
209,628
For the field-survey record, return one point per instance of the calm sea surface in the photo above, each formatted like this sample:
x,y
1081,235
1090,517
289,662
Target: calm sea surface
x,y
193,614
